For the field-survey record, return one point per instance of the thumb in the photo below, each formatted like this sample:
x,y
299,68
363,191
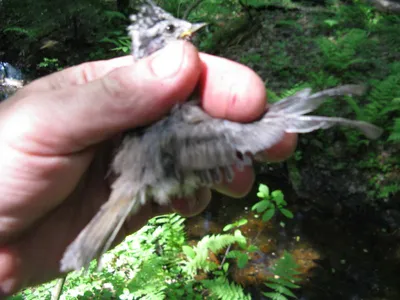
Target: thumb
x,y
75,117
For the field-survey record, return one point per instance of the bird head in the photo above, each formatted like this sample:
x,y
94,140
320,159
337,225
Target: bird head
x,y
153,28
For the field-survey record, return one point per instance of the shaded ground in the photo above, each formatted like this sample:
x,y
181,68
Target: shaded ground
x,y
342,255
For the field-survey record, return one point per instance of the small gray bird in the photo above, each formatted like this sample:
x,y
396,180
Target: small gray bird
x,y
188,148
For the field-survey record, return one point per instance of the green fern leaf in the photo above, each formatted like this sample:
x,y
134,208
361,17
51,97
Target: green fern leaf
x,y
275,296
285,282
222,289
280,289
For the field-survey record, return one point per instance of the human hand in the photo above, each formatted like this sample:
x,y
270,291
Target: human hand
x,y
55,141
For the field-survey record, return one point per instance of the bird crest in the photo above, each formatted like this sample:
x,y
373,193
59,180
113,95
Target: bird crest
x,y
153,28
148,14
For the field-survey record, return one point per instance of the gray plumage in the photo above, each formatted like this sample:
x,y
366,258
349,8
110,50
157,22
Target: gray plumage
x,y
188,148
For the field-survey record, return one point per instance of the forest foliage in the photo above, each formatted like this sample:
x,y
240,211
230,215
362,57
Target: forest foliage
x,y
321,44
159,262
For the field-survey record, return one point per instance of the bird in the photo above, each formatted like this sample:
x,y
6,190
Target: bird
x,y
188,148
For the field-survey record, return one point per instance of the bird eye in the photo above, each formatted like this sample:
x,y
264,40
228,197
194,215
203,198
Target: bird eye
x,y
170,28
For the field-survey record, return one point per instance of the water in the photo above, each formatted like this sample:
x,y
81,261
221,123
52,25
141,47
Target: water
x,y
342,255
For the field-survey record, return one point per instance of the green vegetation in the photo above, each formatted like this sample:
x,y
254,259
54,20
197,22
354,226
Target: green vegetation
x,y
270,203
158,262
284,279
292,45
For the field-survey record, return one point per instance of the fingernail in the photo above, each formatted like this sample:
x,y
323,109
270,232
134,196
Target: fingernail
x,y
7,286
168,61
9,265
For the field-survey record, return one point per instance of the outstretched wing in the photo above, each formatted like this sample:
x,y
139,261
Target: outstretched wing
x,y
206,143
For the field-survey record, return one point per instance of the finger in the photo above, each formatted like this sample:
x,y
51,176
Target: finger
x,y
230,90
77,75
281,151
194,205
71,119
235,92
25,263
244,180
240,185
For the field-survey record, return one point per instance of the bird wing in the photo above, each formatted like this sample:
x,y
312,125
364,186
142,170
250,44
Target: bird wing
x,y
212,143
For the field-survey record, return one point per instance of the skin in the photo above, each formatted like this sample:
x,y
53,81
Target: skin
x,y
55,140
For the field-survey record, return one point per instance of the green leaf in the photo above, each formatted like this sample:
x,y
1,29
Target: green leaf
x,y
275,296
263,190
242,260
280,289
285,282
287,213
287,292
274,286
241,240
277,196
331,22
228,227
233,254
252,248
225,267
268,214
261,206
241,222
114,14
189,251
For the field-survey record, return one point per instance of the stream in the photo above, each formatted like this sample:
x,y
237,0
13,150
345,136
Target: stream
x,y
341,255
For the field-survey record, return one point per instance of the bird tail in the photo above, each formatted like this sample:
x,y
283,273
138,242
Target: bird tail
x,y
293,109
98,235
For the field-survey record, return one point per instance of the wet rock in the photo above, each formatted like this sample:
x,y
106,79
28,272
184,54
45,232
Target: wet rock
x,y
330,175
11,79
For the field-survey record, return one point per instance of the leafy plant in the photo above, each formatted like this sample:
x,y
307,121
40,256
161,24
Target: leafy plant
x,y
50,63
197,255
284,279
236,224
221,288
341,53
270,202
395,135
158,263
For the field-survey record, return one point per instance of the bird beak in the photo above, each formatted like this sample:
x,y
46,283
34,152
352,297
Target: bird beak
x,y
188,34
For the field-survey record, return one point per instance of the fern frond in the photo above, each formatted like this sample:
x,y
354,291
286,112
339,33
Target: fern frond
x,y
213,243
285,271
220,288
341,53
150,280
395,135
275,296
273,97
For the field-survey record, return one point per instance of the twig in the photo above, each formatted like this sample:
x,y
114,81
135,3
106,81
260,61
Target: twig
x,y
57,290
223,260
